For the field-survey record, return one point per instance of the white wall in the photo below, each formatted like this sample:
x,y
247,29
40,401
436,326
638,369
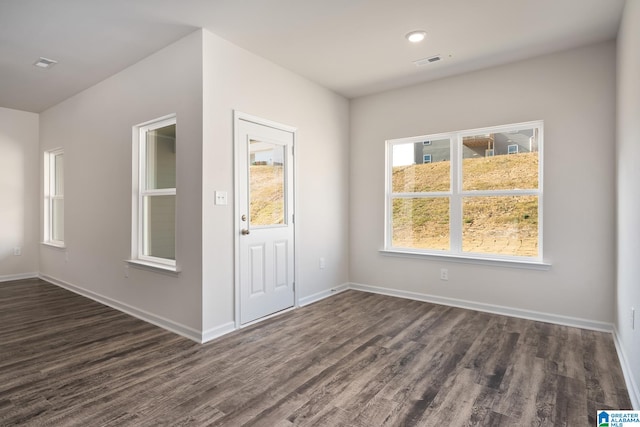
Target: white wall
x,y
202,78
95,129
628,186
237,79
574,93
19,177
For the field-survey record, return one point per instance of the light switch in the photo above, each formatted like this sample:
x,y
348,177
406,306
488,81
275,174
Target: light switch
x,y
221,197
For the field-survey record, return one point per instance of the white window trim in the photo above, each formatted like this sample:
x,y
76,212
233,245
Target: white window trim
x,y
138,182
50,196
424,158
495,260
456,195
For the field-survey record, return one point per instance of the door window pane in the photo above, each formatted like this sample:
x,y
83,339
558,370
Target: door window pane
x,y
159,232
421,166
266,183
505,225
161,158
500,161
421,223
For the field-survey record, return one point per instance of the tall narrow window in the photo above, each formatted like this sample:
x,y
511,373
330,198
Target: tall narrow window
x,y
154,184
54,197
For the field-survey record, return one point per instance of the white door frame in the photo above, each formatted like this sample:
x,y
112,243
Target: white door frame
x,y
237,225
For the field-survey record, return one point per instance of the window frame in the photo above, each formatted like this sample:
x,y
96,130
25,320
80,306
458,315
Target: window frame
x,y
51,195
140,191
456,195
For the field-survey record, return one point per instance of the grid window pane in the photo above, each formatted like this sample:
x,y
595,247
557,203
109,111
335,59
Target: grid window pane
x,y
159,232
58,165
421,166
57,220
505,225
500,161
161,158
421,223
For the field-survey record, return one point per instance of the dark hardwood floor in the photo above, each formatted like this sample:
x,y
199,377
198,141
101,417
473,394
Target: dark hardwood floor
x,y
355,359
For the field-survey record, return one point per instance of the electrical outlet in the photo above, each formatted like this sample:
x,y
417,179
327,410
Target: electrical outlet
x,y
322,264
17,251
444,274
221,198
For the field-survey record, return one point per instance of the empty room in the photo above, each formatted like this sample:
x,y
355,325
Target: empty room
x,y
319,213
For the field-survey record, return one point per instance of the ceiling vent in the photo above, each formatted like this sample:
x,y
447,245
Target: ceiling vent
x,y
45,63
425,61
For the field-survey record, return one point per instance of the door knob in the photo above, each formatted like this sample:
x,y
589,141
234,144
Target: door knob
x,y
245,232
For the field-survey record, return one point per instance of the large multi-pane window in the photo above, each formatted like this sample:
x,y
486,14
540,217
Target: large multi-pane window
x,y
54,197
475,193
154,204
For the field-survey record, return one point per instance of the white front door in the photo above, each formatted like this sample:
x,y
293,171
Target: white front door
x,y
265,224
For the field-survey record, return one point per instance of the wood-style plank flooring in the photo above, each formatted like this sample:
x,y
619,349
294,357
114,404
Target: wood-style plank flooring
x,y
355,359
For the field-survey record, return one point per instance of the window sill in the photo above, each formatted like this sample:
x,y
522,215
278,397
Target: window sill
x,y
54,245
152,266
530,265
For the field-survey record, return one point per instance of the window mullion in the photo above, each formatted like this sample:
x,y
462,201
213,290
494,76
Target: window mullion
x,y
489,193
455,206
159,192
420,195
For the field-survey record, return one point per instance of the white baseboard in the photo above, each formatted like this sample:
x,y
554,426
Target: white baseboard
x,y
218,331
632,387
489,308
160,321
21,276
322,295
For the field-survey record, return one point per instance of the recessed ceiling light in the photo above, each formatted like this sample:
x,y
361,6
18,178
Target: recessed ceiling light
x,y
45,63
416,36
